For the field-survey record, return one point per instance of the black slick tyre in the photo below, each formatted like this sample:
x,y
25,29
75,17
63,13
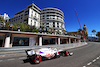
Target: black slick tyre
x,y
37,59
66,53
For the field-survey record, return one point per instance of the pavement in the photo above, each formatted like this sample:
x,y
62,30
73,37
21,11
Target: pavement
x,y
85,56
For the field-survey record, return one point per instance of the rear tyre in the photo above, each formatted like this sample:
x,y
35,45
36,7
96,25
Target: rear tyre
x,y
37,59
57,56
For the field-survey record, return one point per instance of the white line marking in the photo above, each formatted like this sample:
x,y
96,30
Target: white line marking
x,y
22,58
1,60
94,60
89,63
97,58
84,66
11,59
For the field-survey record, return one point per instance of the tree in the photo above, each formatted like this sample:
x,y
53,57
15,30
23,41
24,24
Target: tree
x,y
98,34
93,31
79,31
1,19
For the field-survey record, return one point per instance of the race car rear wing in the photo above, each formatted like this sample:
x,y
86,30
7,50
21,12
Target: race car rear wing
x,y
30,52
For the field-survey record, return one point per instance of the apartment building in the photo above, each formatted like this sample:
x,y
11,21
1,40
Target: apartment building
x,y
53,18
30,15
5,16
47,17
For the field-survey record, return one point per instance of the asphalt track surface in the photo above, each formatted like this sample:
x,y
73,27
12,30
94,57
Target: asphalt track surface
x,y
85,56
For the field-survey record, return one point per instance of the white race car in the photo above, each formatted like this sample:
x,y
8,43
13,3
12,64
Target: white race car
x,y
36,56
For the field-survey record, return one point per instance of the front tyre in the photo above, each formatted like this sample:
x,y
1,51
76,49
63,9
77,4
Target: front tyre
x,y
37,59
66,53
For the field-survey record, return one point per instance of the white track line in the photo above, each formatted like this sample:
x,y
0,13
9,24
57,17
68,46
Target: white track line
x,y
97,58
89,63
94,60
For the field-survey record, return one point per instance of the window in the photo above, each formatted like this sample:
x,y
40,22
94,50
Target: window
x,y
44,10
42,23
53,23
47,23
43,16
47,15
34,23
22,15
53,15
35,13
47,12
47,26
31,20
31,23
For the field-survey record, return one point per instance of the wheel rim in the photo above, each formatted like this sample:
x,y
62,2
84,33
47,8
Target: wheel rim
x,y
37,59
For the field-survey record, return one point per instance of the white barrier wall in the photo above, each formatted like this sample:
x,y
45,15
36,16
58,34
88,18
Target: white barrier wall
x,y
40,41
7,42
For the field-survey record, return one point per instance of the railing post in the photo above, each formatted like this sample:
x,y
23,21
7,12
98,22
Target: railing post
x,y
40,40
58,40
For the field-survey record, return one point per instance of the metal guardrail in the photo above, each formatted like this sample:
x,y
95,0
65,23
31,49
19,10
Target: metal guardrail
x,y
65,46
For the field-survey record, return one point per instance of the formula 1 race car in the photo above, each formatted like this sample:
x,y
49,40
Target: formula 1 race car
x,y
36,56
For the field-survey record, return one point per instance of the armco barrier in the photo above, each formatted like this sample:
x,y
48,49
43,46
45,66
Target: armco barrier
x,y
64,46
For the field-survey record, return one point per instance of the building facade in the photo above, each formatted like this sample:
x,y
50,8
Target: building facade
x,y
15,38
48,17
52,18
5,16
30,15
